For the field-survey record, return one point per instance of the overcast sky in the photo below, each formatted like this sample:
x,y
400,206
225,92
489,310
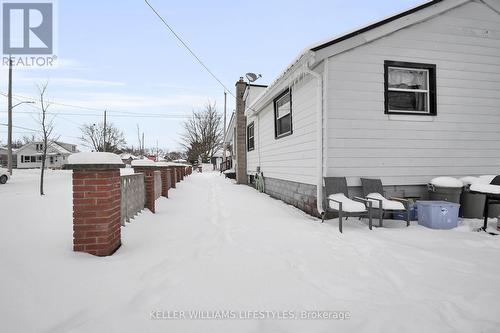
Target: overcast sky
x,y
117,55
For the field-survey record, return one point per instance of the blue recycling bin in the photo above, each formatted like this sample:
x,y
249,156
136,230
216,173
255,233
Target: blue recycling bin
x,y
401,215
438,214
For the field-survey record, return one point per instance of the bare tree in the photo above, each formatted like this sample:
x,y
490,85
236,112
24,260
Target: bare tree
x,y
156,151
174,155
17,143
131,150
28,139
92,136
47,127
203,133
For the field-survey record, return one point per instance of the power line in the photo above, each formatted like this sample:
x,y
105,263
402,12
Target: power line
x,y
189,49
134,114
20,127
152,116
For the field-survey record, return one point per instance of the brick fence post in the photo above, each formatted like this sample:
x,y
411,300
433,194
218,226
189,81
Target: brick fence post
x,y
165,178
179,170
177,176
173,176
96,202
148,169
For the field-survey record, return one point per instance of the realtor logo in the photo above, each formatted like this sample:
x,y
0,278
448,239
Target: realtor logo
x,y
27,28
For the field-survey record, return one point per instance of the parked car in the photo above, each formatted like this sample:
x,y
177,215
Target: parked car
x,y
4,175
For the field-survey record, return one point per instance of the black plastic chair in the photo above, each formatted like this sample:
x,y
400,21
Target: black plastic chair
x,y
375,186
490,199
334,185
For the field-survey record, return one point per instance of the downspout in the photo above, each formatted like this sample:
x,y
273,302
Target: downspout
x,y
319,137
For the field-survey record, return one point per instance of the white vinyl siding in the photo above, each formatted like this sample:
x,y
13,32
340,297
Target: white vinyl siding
x,y
464,137
291,157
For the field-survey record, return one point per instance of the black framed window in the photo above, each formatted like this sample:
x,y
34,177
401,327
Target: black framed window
x,y
283,114
410,88
250,137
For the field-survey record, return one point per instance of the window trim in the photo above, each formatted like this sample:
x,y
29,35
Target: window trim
x,y
282,135
248,136
431,83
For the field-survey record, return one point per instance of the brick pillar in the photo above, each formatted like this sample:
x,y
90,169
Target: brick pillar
x,y
181,172
96,208
164,180
179,175
173,176
241,135
149,182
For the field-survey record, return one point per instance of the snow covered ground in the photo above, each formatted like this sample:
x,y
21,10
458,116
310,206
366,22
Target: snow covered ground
x,y
218,246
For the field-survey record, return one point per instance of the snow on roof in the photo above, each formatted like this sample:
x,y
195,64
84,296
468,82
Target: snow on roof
x,y
307,54
143,162
372,25
94,158
52,145
230,129
59,147
164,163
126,156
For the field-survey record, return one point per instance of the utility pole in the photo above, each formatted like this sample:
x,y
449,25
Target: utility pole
x,y
9,108
142,144
224,139
104,133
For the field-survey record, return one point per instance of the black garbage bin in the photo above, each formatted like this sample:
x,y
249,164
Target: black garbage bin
x,y
441,193
472,205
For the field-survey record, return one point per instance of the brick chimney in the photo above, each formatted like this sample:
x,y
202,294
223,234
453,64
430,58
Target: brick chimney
x,y
241,135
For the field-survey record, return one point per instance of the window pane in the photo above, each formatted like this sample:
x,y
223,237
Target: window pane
x,y
284,125
283,106
407,101
407,78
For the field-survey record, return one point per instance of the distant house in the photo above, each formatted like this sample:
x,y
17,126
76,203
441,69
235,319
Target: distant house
x,y
229,140
405,99
30,155
3,157
217,159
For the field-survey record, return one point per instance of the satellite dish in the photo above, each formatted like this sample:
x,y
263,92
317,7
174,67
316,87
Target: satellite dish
x,y
251,77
